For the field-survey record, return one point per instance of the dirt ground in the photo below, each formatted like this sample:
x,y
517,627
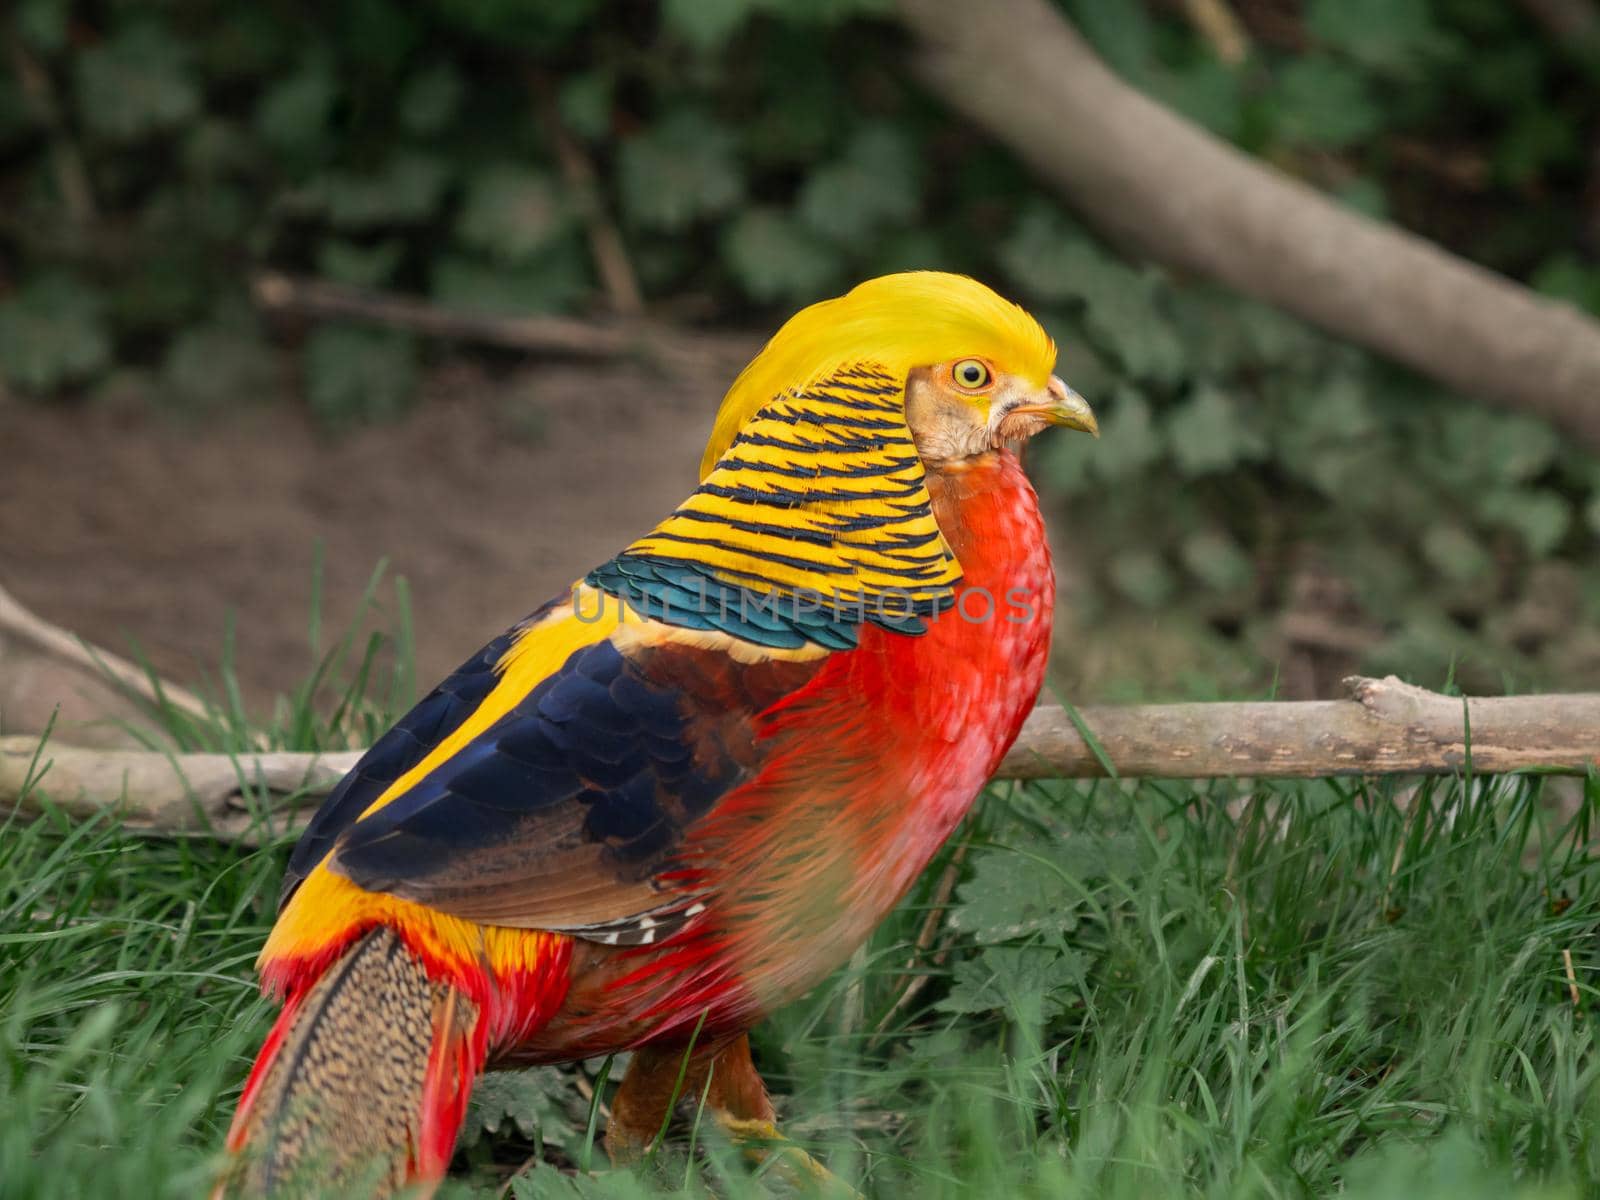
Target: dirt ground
x,y
130,527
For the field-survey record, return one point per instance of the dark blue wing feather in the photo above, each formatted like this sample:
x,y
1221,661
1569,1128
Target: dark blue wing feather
x,y
434,718
562,814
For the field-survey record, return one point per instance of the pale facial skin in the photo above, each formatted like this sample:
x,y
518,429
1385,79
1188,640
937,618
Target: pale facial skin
x,y
966,407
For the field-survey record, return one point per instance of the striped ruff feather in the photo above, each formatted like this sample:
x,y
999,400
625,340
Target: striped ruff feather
x,y
821,495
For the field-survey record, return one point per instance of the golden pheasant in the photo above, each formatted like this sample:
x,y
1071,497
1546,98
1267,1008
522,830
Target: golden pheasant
x,y
680,794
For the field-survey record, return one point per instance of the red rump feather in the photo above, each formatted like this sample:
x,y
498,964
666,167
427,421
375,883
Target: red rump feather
x,y
460,1043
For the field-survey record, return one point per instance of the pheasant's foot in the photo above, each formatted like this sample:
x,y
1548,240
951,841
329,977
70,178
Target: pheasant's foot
x,y
762,1143
662,1080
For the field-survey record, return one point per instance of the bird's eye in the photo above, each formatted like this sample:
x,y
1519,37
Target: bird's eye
x,y
970,373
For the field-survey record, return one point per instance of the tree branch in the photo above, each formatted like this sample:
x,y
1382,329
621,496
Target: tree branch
x,y
230,798
1147,177
47,672
679,350
1387,727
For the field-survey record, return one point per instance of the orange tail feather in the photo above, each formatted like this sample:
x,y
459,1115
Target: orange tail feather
x,y
363,1082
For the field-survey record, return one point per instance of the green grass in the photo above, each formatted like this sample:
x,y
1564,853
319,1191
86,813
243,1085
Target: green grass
x,y
1145,991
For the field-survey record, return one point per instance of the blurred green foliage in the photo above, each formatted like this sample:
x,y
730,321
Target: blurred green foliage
x,y
758,154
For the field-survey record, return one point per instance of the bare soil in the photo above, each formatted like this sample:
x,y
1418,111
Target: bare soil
x,y
133,528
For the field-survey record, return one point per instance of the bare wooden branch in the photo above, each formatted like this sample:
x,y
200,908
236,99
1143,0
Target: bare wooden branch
x,y
321,300
676,349
1386,727
232,798
1149,178
48,672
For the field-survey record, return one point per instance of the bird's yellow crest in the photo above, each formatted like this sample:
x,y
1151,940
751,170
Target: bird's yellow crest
x,y
895,322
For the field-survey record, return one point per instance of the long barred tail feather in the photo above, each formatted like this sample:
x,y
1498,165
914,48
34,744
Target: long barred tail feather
x,y
362,1085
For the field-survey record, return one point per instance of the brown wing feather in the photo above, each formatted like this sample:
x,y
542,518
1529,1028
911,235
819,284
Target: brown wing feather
x,y
564,814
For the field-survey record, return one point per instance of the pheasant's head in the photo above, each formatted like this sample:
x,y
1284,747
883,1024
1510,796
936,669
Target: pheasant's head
x,y
973,369
970,405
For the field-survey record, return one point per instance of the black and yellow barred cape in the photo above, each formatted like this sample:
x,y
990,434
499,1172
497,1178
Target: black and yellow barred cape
x,y
815,519
813,514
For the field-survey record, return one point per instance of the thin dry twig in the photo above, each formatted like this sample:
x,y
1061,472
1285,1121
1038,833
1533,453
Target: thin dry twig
x,y
279,294
605,239
72,175
586,1090
913,984
940,901
1221,28
1386,903
678,350
1572,979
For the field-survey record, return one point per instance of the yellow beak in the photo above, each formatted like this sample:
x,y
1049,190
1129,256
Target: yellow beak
x,y
1064,407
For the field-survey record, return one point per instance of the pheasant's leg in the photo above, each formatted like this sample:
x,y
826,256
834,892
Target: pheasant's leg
x,y
736,1099
651,1087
